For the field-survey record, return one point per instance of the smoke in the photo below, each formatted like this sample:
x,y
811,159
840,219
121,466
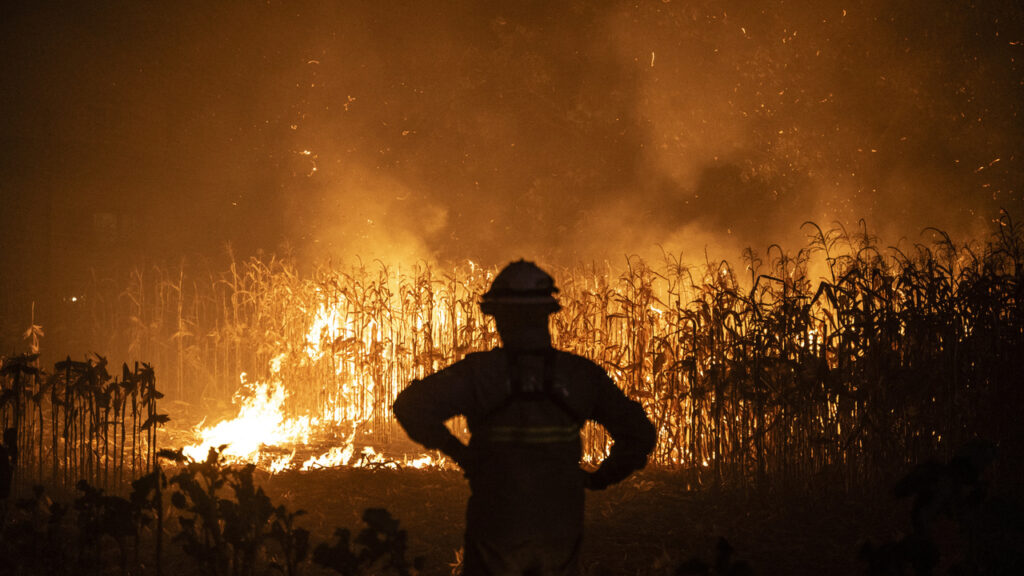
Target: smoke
x,y
572,132
762,118
559,131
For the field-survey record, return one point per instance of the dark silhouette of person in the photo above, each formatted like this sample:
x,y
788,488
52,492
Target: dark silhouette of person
x,y
525,403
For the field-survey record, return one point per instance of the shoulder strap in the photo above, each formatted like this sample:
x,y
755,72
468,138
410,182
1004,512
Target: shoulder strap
x,y
556,394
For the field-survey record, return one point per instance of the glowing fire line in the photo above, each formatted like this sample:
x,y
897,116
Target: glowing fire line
x,y
261,421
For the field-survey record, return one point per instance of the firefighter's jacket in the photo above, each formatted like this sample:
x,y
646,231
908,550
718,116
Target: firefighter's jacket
x,y
524,411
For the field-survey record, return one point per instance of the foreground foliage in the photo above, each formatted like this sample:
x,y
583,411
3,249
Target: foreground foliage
x,y
954,522
226,524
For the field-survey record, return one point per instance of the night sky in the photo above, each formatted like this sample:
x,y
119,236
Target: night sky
x,y
137,132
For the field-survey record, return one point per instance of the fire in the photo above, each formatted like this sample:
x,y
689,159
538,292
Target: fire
x,y
337,456
261,430
260,422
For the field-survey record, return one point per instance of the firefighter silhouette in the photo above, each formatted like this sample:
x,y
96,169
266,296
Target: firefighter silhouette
x,y
525,403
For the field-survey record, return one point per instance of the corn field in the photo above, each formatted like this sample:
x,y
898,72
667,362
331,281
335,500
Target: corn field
x,y
78,422
753,373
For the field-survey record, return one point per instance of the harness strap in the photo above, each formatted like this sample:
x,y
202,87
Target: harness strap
x,y
548,392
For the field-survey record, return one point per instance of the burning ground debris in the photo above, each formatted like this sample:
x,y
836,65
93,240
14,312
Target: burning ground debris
x,y
261,426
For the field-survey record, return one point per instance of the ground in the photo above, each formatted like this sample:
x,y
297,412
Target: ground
x,y
646,525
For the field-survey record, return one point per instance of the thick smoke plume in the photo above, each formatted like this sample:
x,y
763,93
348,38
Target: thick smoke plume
x,y
491,130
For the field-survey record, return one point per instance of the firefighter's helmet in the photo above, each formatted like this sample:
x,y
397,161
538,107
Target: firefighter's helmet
x,y
521,284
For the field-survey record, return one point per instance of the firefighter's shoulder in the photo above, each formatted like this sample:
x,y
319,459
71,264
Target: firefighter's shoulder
x,y
581,367
484,355
470,363
483,360
483,366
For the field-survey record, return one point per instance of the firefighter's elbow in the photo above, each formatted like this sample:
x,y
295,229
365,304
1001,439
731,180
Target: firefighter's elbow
x,y
646,435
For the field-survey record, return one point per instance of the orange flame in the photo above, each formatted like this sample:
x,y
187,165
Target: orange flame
x,y
261,421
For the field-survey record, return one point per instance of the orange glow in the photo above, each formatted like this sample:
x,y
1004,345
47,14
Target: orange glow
x,y
262,428
260,422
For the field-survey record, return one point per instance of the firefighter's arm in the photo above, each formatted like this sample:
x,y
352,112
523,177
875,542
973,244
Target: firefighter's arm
x,y
425,405
632,433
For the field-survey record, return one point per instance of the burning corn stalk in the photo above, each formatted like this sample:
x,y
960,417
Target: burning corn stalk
x,y
751,373
342,347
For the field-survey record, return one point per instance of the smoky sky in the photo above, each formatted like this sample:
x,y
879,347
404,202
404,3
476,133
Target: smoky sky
x,y
493,130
